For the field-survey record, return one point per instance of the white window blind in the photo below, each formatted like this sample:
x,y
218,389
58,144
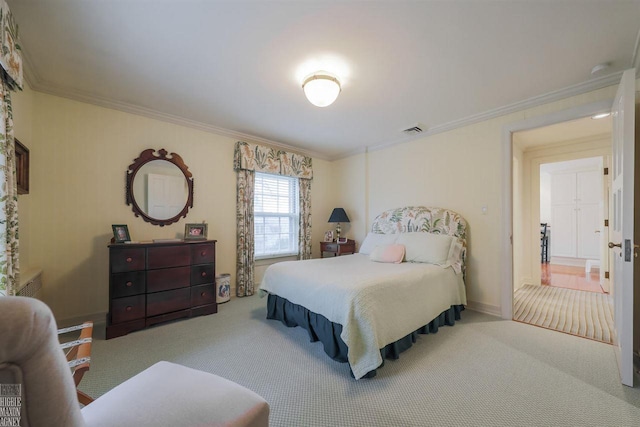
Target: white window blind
x,y
275,215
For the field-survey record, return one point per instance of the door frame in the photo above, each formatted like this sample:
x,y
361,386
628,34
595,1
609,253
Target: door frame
x,y
587,110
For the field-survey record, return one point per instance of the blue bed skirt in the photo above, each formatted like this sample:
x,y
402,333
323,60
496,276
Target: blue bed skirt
x,y
328,333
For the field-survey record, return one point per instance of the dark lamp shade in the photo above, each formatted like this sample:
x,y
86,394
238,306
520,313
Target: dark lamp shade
x,y
338,215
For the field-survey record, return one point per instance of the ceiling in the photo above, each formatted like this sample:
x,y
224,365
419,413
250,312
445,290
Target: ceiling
x,y
235,67
579,129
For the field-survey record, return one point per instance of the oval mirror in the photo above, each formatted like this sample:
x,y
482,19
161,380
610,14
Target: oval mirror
x,y
159,187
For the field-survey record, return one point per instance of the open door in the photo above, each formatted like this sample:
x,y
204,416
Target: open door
x,y
621,230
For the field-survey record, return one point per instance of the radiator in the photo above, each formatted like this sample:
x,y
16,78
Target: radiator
x,y
31,284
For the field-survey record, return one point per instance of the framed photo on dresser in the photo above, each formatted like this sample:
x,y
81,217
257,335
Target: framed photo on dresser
x,y
195,231
120,233
328,236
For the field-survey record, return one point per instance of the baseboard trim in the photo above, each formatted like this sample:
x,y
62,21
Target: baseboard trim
x,y
572,262
98,319
484,308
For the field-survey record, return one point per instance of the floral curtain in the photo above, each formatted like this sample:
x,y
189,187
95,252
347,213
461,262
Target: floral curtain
x,y
269,160
251,158
304,232
10,80
244,220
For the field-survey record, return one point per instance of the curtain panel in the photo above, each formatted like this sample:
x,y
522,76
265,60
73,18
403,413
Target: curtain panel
x,y
10,80
10,57
248,159
304,231
245,276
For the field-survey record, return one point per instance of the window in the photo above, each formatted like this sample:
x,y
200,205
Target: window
x,y
275,215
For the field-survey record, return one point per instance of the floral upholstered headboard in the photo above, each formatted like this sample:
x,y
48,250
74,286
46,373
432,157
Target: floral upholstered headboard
x,y
425,219
420,218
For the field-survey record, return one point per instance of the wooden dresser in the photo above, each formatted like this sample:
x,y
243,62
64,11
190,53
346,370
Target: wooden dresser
x,y
151,283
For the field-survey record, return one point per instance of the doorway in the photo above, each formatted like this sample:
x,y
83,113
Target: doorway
x,y
573,207
559,198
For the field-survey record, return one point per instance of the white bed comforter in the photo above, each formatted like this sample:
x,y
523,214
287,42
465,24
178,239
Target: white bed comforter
x,y
376,303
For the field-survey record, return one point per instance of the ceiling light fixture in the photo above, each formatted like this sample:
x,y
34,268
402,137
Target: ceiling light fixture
x,y
600,116
321,88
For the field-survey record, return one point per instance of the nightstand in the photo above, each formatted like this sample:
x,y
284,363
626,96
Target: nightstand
x,y
338,249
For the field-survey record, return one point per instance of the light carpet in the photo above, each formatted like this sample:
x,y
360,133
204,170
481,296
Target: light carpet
x,y
483,371
581,313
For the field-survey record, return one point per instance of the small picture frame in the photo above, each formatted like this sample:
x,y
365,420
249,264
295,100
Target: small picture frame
x,y
341,240
195,231
120,233
328,236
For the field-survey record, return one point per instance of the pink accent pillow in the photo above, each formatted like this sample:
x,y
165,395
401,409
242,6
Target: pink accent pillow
x,y
388,253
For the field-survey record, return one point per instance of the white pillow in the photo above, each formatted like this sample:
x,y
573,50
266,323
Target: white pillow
x,y
373,239
455,256
426,247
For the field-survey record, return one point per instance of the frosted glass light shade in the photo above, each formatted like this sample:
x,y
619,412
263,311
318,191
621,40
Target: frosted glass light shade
x,y
321,89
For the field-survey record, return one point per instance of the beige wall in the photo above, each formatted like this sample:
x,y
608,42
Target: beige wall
x,y
79,155
351,192
461,169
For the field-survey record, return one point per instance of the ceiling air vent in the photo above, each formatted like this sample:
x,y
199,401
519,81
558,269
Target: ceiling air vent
x,y
414,130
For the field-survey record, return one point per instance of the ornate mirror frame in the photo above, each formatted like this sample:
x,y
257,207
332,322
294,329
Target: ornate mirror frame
x,y
148,156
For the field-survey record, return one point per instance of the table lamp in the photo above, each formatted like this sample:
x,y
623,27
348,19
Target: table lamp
x,y
338,215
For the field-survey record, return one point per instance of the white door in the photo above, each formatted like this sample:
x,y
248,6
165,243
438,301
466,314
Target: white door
x,y
588,209
563,215
621,227
588,231
563,229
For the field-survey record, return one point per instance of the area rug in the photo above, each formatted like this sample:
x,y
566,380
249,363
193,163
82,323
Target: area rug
x,y
585,314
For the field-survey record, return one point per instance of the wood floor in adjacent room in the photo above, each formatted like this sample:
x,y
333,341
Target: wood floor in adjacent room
x,y
568,277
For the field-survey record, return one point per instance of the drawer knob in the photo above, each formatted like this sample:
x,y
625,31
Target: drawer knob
x,y
203,253
129,259
129,308
203,294
129,284
203,274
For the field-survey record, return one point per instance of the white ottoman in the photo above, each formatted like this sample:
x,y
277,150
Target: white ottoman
x,y
172,395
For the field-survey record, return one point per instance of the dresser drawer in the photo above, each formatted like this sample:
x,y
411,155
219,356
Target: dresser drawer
x,y
127,259
202,274
203,253
203,294
127,308
168,278
127,284
168,301
168,256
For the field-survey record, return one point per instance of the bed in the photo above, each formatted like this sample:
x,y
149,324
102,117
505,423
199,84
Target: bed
x,y
407,279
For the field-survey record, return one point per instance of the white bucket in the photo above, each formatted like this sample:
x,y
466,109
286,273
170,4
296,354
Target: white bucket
x,y
223,288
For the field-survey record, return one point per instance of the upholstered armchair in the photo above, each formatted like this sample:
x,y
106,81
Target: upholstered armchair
x,y
165,394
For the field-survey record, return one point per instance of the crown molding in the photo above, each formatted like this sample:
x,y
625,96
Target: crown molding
x,y
38,85
635,59
535,101
30,75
